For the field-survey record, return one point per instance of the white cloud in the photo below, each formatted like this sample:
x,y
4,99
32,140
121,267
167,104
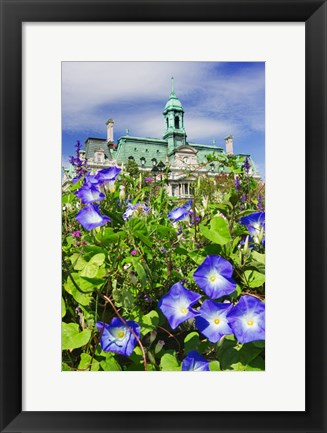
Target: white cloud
x,y
217,103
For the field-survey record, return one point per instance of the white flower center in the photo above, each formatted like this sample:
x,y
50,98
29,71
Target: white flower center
x,y
213,276
94,218
118,333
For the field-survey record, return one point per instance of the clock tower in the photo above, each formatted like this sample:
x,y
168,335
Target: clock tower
x,y
174,121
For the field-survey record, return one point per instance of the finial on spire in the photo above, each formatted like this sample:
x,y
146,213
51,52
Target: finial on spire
x,y
172,85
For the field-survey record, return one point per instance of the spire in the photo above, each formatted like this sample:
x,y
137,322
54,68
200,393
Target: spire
x,y
172,86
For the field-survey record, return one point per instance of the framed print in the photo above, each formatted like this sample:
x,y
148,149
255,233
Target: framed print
x,y
158,234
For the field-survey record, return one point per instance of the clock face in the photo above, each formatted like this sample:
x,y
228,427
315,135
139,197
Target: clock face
x,y
185,160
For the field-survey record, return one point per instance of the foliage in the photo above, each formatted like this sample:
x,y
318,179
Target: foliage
x,y
154,283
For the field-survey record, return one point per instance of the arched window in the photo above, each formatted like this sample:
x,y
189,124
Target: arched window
x,y
177,122
167,122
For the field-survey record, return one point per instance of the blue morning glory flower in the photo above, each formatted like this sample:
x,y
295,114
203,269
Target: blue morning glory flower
x,y
137,209
89,194
212,321
180,213
255,223
91,179
116,337
214,276
195,362
247,319
90,217
176,305
108,174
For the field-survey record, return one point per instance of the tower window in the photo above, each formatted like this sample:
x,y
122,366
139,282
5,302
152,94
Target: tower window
x,y
177,122
167,122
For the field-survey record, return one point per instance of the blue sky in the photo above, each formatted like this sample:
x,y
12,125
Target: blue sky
x,y
219,98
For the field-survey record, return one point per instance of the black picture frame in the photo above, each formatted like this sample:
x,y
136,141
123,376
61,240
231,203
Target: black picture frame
x,y
13,14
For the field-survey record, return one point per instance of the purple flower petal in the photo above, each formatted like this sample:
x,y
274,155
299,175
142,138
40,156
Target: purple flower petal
x,y
247,319
90,217
195,362
135,210
108,174
212,321
214,277
180,213
91,179
116,337
176,305
255,223
89,194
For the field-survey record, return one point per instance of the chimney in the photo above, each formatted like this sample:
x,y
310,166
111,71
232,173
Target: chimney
x,y
110,131
229,145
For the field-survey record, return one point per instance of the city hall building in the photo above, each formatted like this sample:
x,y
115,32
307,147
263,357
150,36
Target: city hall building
x,y
172,156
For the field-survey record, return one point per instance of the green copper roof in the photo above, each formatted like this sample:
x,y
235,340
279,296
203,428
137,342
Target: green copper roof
x,y
173,103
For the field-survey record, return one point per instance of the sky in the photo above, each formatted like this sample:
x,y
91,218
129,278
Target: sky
x,y
219,99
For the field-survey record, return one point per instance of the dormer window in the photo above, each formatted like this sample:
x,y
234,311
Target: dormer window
x,y
154,161
131,158
99,156
142,161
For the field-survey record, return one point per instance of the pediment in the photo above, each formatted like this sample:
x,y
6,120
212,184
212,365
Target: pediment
x,y
186,149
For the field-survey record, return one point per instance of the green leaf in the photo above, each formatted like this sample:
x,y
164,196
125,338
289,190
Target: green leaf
x,y
90,270
80,298
166,232
63,308
77,262
68,198
85,362
214,366
77,185
191,342
260,343
98,259
109,236
139,270
258,257
248,353
258,364
229,357
72,338
88,364
196,257
140,231
149,322
254,278
123,297
218,232
65,367
169,363
110,364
